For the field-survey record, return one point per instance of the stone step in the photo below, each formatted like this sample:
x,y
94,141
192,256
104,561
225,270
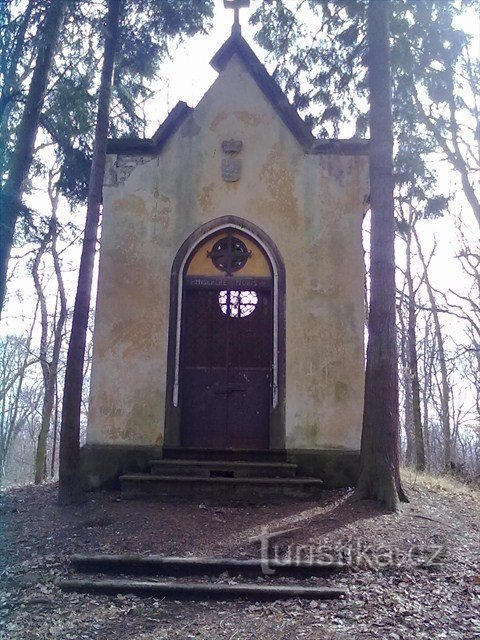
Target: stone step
x,y
249,455
220,490
201,590
223,468
199,566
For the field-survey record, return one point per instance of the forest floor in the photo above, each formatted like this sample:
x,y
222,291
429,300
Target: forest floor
x,y
410,576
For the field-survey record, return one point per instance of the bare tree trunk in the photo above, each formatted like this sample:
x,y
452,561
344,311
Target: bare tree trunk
x,y
55,432
69,471
10,198
428,357
45,421
410,449
380,456
445,387
49,368
412,357
407,384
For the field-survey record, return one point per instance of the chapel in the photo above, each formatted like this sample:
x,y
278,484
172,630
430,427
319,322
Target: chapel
x,y
229,324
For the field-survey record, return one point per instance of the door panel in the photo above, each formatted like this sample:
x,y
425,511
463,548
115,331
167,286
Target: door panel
x,y
204,330
204,343
226,369
248,409
249,337
204,408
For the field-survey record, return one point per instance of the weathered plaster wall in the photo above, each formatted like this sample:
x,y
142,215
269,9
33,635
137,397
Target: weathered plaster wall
x,y
310,205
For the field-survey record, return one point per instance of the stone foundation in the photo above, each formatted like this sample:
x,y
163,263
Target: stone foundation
x,y
103,464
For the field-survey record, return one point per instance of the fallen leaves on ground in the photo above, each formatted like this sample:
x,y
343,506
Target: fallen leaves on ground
x,y
412,575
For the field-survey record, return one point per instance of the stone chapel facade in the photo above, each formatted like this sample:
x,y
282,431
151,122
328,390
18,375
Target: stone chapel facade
x,y
230,308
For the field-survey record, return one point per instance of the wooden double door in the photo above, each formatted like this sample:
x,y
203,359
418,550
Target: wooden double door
x,y
226,365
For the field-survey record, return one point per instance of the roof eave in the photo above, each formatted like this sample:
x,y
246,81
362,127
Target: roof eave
x,y
346,147
153,145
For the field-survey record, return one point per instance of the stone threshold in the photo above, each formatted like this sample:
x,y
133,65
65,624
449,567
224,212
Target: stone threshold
x,y
234,469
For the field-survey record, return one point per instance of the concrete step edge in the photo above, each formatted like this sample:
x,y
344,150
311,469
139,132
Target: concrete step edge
x,y
150,477
237,464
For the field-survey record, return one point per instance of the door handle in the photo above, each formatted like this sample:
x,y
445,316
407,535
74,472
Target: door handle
x,y
236,386
220,390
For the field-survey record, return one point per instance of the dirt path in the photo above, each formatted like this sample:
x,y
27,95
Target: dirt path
x,y
411,576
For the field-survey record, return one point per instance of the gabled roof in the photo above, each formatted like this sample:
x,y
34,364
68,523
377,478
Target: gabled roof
x,y
236,45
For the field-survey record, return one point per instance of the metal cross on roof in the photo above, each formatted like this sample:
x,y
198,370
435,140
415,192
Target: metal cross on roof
x,y
236,5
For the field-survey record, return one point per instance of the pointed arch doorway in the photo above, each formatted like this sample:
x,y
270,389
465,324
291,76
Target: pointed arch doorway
x,y
227,336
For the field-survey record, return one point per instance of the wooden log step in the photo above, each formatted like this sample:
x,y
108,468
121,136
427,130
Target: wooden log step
x,y
195,566
201,590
